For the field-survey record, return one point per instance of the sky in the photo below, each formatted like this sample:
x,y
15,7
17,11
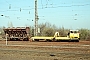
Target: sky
x,y
71,14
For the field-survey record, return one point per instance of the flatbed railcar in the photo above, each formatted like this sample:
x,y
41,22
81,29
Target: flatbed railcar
x,y
73,35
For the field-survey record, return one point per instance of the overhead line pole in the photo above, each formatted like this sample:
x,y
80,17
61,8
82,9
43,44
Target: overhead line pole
x,y
36,19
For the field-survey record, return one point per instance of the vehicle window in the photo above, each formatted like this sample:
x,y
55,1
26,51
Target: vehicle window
x,y
71,31
75,32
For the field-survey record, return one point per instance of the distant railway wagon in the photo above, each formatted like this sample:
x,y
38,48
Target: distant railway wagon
x,y
18,33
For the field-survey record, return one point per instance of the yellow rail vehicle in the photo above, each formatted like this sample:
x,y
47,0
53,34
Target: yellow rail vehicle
x,y
73,35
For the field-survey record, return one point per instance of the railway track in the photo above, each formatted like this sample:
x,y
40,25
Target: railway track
x,y
26,50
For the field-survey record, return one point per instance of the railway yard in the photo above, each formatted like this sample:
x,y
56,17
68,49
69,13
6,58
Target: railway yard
x,y
44,30
26,50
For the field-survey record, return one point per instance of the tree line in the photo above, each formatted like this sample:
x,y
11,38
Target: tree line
x,y
47,29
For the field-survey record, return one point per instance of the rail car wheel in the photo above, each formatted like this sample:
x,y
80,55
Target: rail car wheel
x,y
13,39
25,39
77,40
36,40
48,40
74,40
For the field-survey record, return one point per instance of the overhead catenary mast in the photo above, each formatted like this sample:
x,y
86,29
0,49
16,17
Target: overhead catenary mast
x,y
36,19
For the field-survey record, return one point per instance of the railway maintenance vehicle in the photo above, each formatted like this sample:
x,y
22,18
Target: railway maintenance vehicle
x,y
73,35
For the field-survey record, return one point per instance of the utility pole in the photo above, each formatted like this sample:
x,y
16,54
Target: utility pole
x,y
36,19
